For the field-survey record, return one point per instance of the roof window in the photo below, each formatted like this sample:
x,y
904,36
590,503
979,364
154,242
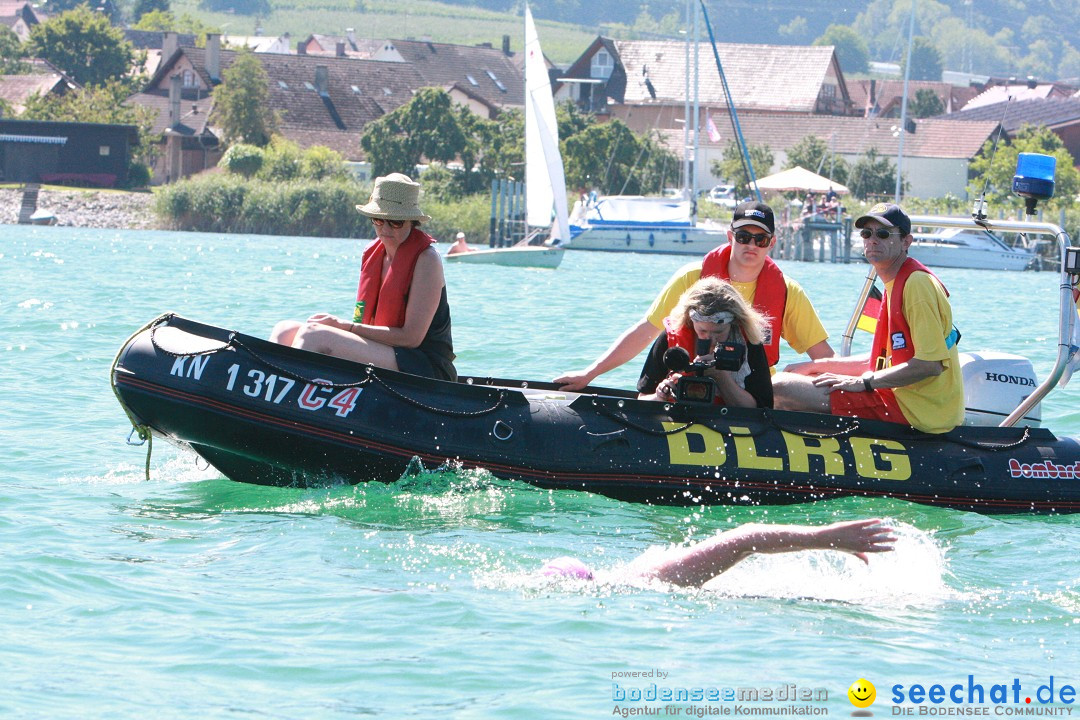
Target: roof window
x,y
495,80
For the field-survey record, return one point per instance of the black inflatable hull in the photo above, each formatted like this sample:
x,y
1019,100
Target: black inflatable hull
x,y
266,414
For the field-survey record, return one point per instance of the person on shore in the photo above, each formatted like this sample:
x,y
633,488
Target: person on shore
x,y
696,564
459,246
912,374
709,315
402,319
744,262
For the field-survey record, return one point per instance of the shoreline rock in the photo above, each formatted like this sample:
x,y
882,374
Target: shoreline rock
x,y
86,208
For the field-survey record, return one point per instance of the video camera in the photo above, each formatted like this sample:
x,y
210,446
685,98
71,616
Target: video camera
x,y
692,386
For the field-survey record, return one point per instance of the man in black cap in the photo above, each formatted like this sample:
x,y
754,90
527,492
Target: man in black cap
x,y
912,374
745,263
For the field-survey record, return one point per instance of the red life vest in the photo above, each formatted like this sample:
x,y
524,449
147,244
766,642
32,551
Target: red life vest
x,y
770,297
384,304
892,327
683,337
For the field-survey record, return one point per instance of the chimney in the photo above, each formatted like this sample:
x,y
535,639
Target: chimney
x,y
1031,82
301,48
322,79
350,34
174,100
873,92
339,49
170,43
506,44
213,56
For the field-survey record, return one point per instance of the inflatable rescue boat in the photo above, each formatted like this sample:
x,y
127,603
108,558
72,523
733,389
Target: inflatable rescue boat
x,y
273,415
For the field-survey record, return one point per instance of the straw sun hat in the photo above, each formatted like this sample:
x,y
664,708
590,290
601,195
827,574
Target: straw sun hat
x,y
395,197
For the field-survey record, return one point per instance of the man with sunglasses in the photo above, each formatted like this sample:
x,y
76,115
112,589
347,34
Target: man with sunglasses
x,y
745,263
912,374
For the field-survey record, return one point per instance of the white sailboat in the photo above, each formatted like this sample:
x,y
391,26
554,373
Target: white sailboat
x,y
633,223
545,182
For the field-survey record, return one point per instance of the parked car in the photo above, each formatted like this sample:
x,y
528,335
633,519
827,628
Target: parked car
x,y
723,195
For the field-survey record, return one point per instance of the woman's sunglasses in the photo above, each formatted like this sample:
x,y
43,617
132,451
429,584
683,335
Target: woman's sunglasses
x,y
396,224
762,240
879,233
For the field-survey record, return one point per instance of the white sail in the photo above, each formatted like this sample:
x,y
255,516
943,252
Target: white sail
x,y
545,183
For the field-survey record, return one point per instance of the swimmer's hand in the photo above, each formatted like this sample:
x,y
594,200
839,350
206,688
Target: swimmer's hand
x,y
857,537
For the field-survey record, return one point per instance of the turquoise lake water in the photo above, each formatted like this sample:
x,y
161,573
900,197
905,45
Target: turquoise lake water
x,y
191,596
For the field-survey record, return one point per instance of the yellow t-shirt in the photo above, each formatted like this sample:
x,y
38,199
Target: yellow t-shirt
x,y
801,327
936,404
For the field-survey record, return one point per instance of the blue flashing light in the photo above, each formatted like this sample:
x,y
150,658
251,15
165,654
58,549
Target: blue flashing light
x,y
1034,179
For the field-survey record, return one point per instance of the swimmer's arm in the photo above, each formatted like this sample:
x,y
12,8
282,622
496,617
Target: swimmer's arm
x,y
697,564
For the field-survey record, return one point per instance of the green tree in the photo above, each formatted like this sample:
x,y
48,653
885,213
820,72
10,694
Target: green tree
x,y
609,156
142,7
1000,173
12,53
925,60
814,154
84,45
795,30
242,159
163,20
731,164
242,102
851,49
873,174
425,127
926,103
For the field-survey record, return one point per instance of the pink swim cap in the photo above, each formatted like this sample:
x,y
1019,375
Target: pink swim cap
x,y
567,567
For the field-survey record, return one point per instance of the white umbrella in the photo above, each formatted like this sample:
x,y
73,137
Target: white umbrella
x,y
799,179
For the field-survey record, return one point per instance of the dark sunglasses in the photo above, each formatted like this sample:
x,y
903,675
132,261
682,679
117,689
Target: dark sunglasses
x,y
396,224
762,240
879,233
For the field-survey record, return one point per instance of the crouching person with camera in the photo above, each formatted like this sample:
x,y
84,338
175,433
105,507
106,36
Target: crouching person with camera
x,y
711,351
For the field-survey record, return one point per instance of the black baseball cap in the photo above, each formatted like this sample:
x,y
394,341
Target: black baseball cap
x,y
753,213
889,215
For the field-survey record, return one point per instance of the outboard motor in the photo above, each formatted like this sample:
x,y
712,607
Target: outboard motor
x,y
995,383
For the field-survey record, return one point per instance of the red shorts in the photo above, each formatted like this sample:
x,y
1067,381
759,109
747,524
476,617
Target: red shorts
x,y
879,404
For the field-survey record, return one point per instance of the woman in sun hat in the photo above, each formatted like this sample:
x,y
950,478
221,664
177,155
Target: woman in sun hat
x,y
401,320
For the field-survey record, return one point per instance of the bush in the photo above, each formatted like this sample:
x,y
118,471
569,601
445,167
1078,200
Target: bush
x,y
282,161
229,203
322,163
138,175
243,159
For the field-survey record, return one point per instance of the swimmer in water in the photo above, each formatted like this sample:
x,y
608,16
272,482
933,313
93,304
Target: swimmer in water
x,y
696,564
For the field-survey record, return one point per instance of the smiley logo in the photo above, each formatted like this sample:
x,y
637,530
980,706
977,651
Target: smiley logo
x,y
862,693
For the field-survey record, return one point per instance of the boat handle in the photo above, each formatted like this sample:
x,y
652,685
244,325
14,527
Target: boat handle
x,y
502,431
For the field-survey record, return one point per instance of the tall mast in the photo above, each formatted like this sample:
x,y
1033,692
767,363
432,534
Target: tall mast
x,y
686,100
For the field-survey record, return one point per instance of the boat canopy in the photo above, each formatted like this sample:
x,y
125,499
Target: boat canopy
x,y
625,210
